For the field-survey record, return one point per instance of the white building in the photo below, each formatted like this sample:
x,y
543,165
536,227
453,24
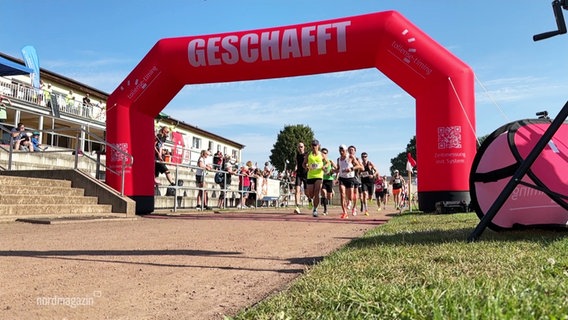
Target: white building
x,y
58,110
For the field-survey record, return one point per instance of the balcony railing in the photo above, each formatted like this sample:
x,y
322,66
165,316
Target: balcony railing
x,y
58,103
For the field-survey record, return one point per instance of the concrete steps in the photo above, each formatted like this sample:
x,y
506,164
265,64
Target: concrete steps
x,y
31,198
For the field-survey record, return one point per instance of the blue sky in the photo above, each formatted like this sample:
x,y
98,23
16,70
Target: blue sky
x,y
100,42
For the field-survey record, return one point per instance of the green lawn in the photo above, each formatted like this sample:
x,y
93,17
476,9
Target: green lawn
x,y
420,266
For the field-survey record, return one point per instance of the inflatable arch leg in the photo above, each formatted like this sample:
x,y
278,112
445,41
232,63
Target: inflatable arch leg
x,y
441,84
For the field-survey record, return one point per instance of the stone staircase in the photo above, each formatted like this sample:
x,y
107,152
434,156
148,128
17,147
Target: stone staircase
x,y
48,200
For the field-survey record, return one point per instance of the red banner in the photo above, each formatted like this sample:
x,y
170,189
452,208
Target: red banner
x,y
177,152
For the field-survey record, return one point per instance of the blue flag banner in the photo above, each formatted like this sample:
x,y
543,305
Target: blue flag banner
x,y
32,62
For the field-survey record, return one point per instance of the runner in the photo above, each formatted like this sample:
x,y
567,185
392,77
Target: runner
x,y
328,178
381,191
300,175
356,192
367,180
397,182
314,163
346,166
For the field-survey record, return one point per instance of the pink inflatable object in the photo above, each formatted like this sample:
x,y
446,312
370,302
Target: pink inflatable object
x,y
540,199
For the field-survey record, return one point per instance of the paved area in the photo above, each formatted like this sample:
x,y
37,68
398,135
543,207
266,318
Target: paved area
x,y
183,265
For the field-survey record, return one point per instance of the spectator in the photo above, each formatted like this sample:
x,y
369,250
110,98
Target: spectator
x,y
203,164
47,95
218,161
266,174
267,171
87,106
20,140
228,168
41,90
70,99
252,198
244,186
160,167
86,100
35,142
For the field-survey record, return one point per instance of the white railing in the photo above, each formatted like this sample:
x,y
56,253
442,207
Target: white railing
x,y
57,101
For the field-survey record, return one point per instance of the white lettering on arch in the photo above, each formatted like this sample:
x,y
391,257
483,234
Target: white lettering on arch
x,y
249,50
269,45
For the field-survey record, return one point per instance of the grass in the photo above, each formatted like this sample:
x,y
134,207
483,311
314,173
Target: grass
x,y
421,267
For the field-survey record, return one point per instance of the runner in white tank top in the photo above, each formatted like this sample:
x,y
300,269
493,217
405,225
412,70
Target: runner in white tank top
x,y
347,165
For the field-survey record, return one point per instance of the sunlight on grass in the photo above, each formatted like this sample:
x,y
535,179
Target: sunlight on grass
x,y
421,267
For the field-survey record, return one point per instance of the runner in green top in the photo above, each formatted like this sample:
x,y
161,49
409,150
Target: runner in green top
x,y
314,164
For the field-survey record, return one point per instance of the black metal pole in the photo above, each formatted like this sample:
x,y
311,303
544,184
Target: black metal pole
x,y
519,174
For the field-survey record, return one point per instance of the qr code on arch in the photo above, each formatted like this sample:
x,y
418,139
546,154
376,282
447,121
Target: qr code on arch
x,y
118,156
449,137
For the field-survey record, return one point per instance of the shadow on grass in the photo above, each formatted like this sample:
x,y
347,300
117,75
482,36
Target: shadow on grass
x,y
443,236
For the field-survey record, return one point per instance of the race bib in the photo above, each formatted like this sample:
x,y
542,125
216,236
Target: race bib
x,y
314,166
364,174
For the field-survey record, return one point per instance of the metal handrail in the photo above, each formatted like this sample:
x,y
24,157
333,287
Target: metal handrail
x,y
127,160
183,166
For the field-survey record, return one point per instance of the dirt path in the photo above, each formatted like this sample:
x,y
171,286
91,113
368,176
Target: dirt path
x,y
198,266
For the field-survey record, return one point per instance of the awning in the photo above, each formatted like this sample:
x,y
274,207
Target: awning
x,y
9,68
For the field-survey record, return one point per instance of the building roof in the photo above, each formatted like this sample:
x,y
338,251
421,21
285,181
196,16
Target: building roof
x,y
11,68
76,86
174,122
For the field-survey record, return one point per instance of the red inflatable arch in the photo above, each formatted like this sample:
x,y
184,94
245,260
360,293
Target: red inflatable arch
x,y
441,84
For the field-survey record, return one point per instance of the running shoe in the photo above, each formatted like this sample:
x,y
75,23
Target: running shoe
x,y
354,212
315,213
325,212
366,213
297,210
344,215
379,209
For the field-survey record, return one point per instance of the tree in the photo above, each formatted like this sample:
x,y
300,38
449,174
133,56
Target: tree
x,y
399,162
286,145
481,139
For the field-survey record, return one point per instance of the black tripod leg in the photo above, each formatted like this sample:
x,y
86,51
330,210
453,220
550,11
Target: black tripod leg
x,y
520,173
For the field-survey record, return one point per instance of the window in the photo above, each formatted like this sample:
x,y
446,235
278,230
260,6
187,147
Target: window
x,y
196,143
211,146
